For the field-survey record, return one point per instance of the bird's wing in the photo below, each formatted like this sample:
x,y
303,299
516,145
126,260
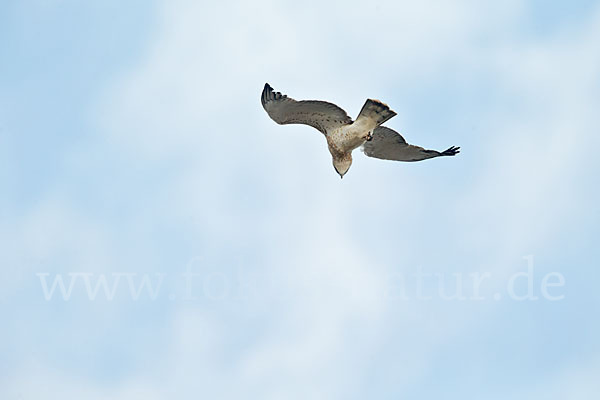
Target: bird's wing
x,y
318,114
387,144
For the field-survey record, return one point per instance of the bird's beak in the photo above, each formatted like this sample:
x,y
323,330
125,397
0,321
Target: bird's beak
x,y
341,176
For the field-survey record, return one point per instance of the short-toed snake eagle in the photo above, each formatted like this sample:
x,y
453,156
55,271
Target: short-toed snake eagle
x,y
344,135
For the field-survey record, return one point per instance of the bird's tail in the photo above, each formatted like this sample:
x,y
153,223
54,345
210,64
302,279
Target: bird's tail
x,y
374,113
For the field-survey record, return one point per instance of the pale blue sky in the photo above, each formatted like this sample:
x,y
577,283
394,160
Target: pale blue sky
x,y
132,140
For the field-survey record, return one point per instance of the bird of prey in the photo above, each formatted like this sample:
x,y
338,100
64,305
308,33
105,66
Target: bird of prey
x,y
344,135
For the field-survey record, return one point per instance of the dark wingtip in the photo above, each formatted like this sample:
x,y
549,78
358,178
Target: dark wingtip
x,y
266,94
452,151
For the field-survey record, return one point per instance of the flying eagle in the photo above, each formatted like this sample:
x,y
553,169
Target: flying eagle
x,y
344,135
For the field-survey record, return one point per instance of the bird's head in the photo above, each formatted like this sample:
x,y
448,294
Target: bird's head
x,y
342,165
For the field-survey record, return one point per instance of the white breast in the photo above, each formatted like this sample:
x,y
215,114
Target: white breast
x,y
347,138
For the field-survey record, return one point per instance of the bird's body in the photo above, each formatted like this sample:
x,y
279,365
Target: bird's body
x,y
341,142
344,135
345,139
